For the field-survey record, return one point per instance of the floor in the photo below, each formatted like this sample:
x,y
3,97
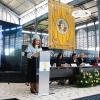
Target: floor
x,y
66,92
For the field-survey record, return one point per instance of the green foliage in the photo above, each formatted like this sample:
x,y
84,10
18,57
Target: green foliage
x,y
86,79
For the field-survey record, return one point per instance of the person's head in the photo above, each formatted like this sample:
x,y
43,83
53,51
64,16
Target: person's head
x,y
74,56
82,55
97,58
60,56
36,40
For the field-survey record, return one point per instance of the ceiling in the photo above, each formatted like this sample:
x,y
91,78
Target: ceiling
x,y
42,26
89,5
22,6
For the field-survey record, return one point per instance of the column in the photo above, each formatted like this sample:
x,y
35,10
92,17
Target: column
x,y
0,42
98,5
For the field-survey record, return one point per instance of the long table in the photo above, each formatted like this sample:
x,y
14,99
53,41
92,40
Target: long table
x,y
64,73
69,72
90,69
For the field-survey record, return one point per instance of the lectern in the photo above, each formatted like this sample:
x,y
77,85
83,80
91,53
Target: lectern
x,y
44,73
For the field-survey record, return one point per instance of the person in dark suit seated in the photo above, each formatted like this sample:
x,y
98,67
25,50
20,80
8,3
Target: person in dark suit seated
x,y
81,59
59,60
95,61
73,59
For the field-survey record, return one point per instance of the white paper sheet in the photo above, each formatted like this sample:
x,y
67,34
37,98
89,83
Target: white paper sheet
x,y
73,65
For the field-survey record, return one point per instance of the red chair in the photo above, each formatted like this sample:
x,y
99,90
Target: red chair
x,y
95,64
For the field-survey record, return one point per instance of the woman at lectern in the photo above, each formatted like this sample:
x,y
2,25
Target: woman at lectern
x,y
33,63
59,61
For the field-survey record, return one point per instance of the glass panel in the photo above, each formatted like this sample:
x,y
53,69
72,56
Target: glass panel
x,y
8,17
0,13
44,41
7,45
26,39
81,39
4,15
97,34
11,45
91,40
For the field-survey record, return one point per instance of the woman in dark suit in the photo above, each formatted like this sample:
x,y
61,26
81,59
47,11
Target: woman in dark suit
x,y
59,60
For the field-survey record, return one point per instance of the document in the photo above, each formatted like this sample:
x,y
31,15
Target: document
x,y
35,54
98,64
73,65
87,65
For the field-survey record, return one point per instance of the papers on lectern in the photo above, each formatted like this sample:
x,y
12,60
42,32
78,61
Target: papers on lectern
x,y
35,54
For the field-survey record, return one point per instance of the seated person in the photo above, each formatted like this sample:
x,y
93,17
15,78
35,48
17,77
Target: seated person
x,y
95,61
81,59
73,59
59,60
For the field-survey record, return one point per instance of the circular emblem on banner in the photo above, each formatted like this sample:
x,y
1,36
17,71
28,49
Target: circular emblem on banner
x,y
61,26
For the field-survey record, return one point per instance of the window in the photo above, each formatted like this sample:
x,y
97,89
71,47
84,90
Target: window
x,y
18,40
44,41
91,40
6,45
12,44
26,39
81,39
97,37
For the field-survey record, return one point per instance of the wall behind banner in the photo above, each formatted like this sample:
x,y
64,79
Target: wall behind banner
x,y
10,43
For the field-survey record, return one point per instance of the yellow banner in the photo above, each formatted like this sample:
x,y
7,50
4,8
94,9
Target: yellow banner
x,y
61,28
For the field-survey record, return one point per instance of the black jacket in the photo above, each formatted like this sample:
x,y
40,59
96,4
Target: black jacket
x,y
94,61
59,62
80,60
71,61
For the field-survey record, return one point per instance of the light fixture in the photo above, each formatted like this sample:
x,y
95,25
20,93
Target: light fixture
x,y
66,1
81,13
90,24
24,31
13,28
79,27
83,26
19,27
7,29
